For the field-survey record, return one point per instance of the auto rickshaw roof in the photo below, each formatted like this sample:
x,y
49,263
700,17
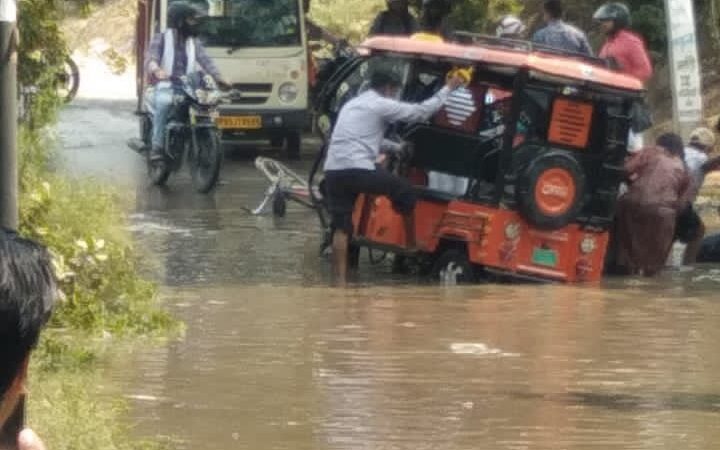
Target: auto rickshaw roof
x,y
549,63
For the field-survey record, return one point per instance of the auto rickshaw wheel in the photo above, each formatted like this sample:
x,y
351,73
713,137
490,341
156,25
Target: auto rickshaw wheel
x,y
454,267
279,205
551,190
353,256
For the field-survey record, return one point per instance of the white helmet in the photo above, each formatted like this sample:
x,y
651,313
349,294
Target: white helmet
x,y
510,26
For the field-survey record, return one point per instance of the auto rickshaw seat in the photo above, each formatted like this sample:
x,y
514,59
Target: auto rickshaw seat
x,y
448,151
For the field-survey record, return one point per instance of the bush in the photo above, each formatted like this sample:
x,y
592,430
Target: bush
x,y
82,225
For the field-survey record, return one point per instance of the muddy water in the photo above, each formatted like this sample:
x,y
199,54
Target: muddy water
x,y
274,359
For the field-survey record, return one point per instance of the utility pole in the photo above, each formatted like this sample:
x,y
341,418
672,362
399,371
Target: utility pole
x,y
8,115
684,66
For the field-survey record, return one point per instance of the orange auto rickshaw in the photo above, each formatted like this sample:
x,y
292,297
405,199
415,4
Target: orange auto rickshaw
x,y
536,141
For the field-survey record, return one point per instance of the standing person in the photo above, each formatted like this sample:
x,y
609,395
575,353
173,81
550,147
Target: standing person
x,y
646,214
558,34
433,21
690,228
396,20
27,293
627,52
510,27
173,54
350,168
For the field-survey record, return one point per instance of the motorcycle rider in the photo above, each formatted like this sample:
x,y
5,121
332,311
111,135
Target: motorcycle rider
x,y
173,54
627,52
624,47
396,20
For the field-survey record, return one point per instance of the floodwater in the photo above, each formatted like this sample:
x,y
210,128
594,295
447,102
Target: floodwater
x,y
273,358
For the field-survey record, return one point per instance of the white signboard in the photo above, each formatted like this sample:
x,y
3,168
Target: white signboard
x,y
684,61
8,10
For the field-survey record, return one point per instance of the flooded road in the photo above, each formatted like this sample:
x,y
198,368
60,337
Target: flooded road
x,y
274,359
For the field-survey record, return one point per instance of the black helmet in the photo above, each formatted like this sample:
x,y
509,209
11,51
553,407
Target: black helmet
x,y
617,12
179,12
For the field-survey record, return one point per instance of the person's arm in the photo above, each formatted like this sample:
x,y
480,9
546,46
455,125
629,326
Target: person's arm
x,y
637,161
208,64
390,146
711,165
395,111
638,60
153,56
685,192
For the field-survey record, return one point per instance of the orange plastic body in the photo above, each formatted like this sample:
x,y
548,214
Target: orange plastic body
x,y
496,239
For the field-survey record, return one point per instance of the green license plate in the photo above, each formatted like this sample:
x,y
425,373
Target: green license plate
x,y
544,257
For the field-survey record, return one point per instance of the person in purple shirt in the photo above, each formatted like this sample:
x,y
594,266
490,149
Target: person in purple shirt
x,y
172,54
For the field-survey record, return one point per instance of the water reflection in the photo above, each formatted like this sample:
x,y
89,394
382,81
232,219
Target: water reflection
x,y
273,359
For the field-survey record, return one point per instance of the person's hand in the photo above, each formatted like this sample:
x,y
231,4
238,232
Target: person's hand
x,y
161,75
454,82
224,85
28,440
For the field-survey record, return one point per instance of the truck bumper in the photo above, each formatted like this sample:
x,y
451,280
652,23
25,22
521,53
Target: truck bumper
x,y
273,123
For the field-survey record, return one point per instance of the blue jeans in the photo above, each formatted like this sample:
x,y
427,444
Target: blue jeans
x,y
161,103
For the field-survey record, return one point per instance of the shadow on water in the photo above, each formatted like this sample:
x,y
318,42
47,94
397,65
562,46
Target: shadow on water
x,y
633,403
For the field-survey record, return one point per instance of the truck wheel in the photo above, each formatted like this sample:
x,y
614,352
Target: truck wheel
x,y
292,145
453,267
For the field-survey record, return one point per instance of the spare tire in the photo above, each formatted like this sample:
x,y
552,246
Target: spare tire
x,y
551,190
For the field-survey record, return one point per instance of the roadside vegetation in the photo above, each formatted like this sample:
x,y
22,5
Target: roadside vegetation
x,y
106,306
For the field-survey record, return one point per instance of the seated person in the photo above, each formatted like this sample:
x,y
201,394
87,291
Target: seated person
x,y
462,111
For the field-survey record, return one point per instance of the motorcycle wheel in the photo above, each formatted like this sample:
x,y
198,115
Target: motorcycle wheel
x,y
68,81
207,160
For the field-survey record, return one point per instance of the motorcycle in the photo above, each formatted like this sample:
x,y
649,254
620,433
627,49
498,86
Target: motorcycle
x,y
190,134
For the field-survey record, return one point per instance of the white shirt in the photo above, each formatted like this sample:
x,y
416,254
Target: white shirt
x,y
362,122
694,160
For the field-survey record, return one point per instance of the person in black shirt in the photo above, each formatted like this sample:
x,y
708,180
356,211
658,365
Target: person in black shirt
x,y
396,20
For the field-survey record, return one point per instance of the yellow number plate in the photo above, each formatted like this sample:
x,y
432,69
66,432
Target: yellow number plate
x,y
239,122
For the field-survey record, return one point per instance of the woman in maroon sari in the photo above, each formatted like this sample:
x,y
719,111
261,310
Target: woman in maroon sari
x,y
646,214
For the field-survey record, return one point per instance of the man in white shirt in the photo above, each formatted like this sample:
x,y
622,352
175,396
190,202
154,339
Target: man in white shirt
x,y
350,167
689,227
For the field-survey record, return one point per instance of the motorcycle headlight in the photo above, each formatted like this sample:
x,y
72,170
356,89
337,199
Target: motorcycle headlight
x,y
288,92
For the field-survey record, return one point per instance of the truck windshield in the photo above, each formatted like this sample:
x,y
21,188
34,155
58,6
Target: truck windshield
x,y
251,23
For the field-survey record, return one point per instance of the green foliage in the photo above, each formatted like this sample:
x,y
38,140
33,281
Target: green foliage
x,y
82,225
480,16
350,19
71,410
41,53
